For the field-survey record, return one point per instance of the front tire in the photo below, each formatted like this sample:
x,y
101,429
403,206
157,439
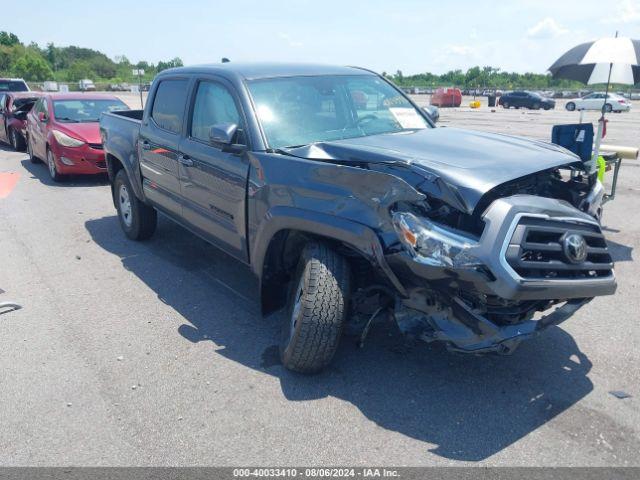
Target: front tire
x,y
32,157
17,142
608,108
570,106
317,308
52,167
137,219
505,105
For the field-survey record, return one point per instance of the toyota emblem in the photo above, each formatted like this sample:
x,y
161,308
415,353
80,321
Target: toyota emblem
x,y
574,247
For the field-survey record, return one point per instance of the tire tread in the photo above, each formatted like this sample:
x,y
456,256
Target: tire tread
x,y
324,306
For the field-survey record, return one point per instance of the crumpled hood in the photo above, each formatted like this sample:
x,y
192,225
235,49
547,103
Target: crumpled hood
x,y
470,162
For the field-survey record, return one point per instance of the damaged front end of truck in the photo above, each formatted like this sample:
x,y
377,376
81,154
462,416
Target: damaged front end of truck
x,y
474,259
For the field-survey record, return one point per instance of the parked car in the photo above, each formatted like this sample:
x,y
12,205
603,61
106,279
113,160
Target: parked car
x,y
119,87
86,85
13,85
63,131
50,86
525,99
346,211
446,97
14,107
596,100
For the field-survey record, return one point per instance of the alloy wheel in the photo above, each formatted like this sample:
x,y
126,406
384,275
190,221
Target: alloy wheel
x,y
125,205
51,163
297,306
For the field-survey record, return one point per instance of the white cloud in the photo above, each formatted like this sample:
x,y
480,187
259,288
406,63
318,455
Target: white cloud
x,y
290,41
461,50
627,11
546,28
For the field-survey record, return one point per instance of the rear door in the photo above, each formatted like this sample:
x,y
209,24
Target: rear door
x,y
3,117
518,99
214,181
159,141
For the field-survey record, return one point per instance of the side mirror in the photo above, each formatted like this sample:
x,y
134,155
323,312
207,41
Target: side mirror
x,y
432,112
42,117
222,134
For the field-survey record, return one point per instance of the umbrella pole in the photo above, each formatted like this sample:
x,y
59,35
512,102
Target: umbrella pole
x,y
596,149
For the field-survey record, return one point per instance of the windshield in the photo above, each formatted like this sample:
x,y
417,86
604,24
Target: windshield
x,y
13,86
76,111
297,111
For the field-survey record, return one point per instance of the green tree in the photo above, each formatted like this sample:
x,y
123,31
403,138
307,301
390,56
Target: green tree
x,y
8,39
32,66
79,70
174,62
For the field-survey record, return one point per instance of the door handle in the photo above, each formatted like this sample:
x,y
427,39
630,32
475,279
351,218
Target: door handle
x,y
185,160
146,146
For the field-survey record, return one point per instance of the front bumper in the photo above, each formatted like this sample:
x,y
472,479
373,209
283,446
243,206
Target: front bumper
x,y
498,277
85,160
437,305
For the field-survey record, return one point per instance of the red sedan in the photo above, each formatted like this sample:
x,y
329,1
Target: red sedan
x,y
14,107
63,130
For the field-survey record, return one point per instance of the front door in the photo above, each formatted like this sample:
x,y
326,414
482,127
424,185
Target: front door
x,y
214,182
158,144
3,118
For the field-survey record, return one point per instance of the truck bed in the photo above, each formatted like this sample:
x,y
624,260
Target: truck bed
x,y
129,114
119,131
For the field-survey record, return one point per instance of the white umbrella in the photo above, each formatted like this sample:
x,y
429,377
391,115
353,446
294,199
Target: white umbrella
x,y
608,60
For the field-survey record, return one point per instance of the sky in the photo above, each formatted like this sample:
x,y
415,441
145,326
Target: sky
x,y
408,35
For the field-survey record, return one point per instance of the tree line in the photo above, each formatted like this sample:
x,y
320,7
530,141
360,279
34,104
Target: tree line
x,y
72,63
484,77
69,64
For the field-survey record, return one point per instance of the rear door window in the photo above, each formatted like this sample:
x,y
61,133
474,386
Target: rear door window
x,y
169,104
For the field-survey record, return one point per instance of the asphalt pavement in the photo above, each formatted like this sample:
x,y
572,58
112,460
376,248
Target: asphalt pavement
x,y
155,353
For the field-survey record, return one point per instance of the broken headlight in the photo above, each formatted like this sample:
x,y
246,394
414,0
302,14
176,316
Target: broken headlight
x,y
433,244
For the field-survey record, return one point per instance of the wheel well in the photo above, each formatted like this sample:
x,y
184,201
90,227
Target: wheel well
x,y
281,260
114,165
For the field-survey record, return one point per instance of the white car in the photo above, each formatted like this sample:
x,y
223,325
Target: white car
x,y
594,101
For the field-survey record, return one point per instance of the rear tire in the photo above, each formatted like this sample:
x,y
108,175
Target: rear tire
x,y
317,308
570,106
536,106
137,219
505,105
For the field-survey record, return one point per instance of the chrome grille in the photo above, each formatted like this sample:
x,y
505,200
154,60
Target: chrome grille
x,y
535,250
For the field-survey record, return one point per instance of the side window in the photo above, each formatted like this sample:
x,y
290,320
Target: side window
x,y
213,105
40,107
2,102
169,103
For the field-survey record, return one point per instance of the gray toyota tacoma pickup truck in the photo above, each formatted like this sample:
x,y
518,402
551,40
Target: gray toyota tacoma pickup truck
x,y
350,206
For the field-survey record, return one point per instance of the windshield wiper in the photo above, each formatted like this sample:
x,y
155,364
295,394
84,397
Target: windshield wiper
x,y
68,120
